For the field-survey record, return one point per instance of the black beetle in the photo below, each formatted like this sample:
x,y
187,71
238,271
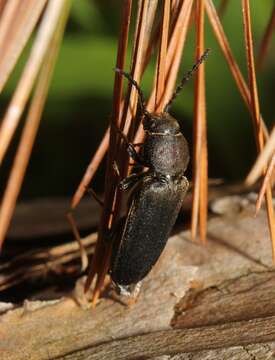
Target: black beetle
x,y
157,194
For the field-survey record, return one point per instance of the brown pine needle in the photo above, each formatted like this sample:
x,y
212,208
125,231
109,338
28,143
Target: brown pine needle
x,y
103,147
204,182
233,66
29,133
102,276
2,6
252,74
174,54
93,267
100,258
266,40
130,104
83,254
262,160
256,111
26,82
142,36
200,193
17,23
160,80
265,184
175,48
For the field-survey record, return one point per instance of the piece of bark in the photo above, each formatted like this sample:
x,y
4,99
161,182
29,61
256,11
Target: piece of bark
x,y
238,249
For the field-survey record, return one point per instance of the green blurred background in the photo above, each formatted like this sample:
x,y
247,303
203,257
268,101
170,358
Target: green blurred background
x,y
79,103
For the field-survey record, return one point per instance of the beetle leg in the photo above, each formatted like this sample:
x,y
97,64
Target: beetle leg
x,y
130,180
134,155
94,195
137,157
130,147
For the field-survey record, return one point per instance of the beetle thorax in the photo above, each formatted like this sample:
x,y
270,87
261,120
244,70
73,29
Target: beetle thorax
x,y
165,148
162,124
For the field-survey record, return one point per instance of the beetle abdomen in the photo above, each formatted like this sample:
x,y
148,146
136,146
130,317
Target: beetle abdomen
x,y
152,214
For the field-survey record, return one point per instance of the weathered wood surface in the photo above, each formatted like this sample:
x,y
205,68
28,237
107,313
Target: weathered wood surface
x,y
196,300
249,352
176,341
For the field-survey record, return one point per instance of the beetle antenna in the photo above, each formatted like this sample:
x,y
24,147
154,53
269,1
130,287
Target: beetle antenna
x,y
135,84
187,77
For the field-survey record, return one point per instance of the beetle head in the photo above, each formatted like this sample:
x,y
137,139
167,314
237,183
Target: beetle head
x,y
160,124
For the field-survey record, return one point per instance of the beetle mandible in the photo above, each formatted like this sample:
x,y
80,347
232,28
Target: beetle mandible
x,y
157,194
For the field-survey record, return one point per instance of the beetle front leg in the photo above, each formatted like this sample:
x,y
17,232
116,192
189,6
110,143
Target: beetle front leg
x,y
134,155
130,147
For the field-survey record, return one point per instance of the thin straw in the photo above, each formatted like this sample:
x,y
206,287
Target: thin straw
x,y
16,25
256,111
160,78
200,193
262,160
29,133
24,87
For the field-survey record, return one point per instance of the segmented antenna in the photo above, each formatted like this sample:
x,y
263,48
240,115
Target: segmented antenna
x,y
187,77
135,84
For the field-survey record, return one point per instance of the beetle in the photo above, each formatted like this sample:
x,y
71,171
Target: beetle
x,y
157,194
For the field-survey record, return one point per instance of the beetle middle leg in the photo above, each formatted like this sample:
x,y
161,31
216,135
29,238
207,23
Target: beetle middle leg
x,y
94,195
131,180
